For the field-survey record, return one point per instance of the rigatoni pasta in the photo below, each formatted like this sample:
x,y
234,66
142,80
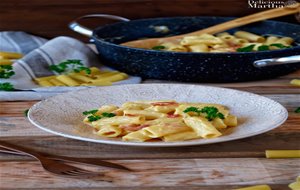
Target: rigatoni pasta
x,y
168,121
95,78
240,41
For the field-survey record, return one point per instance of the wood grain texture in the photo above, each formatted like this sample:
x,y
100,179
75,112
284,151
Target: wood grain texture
x,y
248,147
50,18
186,187
167,172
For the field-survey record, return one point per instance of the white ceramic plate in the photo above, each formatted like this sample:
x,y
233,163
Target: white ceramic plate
x,y
62,114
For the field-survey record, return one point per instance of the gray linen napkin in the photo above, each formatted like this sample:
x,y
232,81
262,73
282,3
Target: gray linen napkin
x,y
36,63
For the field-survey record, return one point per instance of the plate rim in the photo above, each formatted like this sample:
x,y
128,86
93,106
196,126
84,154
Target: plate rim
x,y
158,144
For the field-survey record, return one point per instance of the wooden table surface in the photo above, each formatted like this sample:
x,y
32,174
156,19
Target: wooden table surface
x,y
208,167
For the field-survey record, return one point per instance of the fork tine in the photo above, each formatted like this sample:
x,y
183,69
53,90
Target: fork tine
x,y
75,173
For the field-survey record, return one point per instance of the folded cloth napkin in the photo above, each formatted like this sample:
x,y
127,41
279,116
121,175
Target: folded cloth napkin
x,y
36,63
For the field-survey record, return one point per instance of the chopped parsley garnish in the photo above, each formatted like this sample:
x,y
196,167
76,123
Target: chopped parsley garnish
x,y
94,117
6,86
210,112
192,109
281,46
26,112
158,47
71,65
261,48
297,110
89,112
246,48
6,71
105,114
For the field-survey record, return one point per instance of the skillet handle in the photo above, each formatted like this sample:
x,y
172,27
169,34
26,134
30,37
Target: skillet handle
x,y
76,27
277,61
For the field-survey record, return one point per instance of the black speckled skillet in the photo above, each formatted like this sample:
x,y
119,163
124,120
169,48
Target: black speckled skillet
x,y
190,67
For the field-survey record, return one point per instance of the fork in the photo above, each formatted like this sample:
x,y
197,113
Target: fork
x,y
86,161
52,166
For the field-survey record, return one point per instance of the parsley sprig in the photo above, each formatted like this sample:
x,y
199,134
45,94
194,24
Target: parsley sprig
x,y
6,86
297,110
93,117
158,47
261,48
210,112
71,65
6,71
89,112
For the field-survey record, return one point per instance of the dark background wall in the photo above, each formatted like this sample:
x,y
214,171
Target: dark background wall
x,y
49,18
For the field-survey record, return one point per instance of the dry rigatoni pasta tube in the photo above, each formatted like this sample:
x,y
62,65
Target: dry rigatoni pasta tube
x,y
295,82
295,185
256,187
10,55
6,62
67,80
283,153
80,77
97,83
249,36
113,78
271,40
287,41
56,82
45,83
45,78
95,71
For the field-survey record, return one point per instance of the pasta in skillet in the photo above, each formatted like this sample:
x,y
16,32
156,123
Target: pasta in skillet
x,y
168,121
240,41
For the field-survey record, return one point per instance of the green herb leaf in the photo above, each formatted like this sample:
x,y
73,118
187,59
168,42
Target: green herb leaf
x,y
93,118
246,49
6,71
89,112
281,46
26,113
210,112
192,109
297,110
263,48
6,86
85,69
158,47
105,114
71,65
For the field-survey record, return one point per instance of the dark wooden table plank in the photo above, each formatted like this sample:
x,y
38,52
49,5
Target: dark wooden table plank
x,y
160,173
50,18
